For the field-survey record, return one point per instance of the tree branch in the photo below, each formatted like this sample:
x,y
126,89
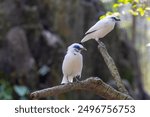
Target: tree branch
x,y
112,67
93,84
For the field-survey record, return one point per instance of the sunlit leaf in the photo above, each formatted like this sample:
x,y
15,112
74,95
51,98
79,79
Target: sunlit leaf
x,y
120,1
148,18
125,1
141,11
135,13
109,13
134,6
116,5
116,14
147,8
101,17
130,1
137,1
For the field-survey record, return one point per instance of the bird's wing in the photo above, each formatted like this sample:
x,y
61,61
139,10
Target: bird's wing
x,y
67,64
99,25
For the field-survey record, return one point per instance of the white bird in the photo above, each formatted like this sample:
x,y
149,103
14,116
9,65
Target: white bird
x,y
73,63
101,28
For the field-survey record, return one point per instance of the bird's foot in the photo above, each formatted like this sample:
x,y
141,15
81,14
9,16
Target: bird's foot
x,y
62,83
101,44
66,83
77,78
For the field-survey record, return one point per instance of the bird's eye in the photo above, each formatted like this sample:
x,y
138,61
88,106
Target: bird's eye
x,y
115,19
77,47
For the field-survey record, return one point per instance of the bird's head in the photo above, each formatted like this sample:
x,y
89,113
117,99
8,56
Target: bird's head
x,y
76,47
113,18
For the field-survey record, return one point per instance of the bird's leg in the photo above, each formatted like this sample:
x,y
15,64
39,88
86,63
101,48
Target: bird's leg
x,y
101,43
77,80
66,82
68,79
69,82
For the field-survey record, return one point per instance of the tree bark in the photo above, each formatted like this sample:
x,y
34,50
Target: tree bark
x,y
93,84
112,67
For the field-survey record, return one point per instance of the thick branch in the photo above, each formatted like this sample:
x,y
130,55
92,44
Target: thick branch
x,y
93,84
112,67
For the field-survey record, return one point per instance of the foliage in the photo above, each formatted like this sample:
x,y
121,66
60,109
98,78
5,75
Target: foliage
x,y
9,91
137,8
5,90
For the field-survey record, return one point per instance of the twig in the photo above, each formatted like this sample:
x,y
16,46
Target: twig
x,y
112,67
93,84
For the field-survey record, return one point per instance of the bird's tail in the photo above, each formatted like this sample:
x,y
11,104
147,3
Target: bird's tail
x,y
86,38
64,80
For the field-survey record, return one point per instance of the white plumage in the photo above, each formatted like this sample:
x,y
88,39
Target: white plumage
x,y
73,63
101,28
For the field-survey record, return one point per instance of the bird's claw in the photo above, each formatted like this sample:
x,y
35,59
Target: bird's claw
x,y
101,44
77,78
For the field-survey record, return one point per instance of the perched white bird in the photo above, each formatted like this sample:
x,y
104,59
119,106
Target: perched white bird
x,y
101,28
73,63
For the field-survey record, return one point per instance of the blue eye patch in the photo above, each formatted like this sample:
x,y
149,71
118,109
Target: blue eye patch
x,y
77,47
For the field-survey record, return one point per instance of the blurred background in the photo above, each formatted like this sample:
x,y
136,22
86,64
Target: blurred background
x,y
34,36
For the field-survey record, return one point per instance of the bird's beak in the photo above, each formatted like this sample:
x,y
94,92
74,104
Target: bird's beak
x,y
84,49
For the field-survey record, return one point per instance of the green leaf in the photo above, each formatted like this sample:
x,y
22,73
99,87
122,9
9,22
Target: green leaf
x,y
5,90
135,13
126,1
137,1
120,1
101,17
141,11
148,18
134,6
116,5
109,13
21,90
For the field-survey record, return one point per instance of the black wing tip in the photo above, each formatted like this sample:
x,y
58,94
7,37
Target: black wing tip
x,y
90,32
